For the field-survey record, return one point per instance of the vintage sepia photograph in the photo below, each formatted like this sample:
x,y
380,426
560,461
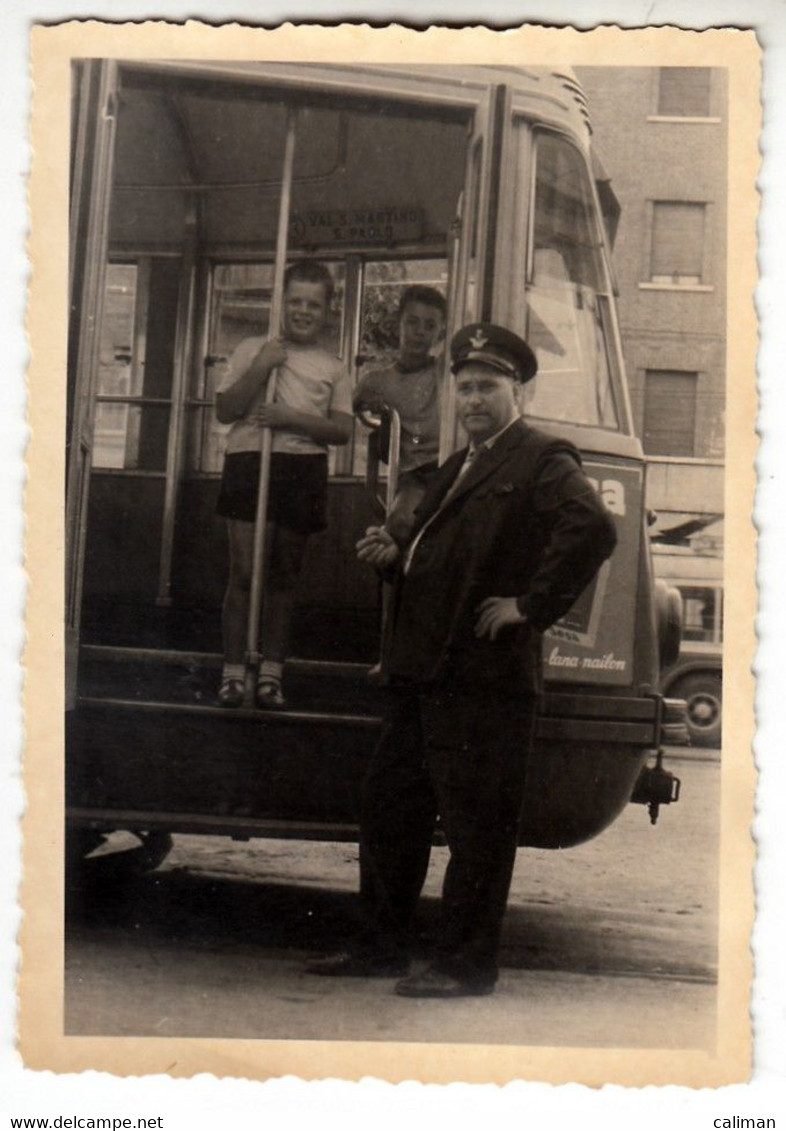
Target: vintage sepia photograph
x,y
397,404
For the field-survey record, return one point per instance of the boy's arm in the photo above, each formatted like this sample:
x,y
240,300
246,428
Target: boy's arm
x,y
368,394
251,368
334,429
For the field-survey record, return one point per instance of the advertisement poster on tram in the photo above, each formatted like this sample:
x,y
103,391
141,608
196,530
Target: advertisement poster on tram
x,y
593,642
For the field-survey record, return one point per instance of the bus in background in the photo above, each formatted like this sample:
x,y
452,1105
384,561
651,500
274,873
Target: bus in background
x,y
696,675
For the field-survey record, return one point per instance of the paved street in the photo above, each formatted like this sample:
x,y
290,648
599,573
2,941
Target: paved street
x,y
611,943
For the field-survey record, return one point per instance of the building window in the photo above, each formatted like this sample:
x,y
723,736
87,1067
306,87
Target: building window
x,y
684,92
670,413
677,248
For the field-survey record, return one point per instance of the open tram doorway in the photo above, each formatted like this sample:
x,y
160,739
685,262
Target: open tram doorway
x,y
386,190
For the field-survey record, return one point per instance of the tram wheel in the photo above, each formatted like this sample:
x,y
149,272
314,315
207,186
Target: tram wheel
x,y
703,695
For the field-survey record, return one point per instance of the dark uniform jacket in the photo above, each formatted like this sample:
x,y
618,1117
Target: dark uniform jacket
x,y
523,522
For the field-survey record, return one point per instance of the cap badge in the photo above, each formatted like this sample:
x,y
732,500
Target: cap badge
x,y
478,340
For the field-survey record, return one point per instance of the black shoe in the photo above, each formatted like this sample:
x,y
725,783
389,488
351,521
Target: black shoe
x,y
348,965
437,984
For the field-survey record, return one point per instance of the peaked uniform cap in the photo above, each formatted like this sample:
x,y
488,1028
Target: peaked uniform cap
x,y
495,346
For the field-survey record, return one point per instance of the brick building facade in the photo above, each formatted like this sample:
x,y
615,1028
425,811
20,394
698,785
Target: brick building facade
x,y
661,134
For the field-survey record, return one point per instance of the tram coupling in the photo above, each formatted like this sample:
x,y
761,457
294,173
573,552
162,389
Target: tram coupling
x,y
655,787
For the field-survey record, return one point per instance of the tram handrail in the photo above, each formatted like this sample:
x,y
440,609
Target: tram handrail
x,y
260,520
375,422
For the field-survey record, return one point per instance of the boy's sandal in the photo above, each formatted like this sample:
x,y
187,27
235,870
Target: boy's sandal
x,y
230,693
269,693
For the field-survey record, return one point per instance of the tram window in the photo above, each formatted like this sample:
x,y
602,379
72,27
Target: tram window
x,y
131,437
117,329
134,381
239,308
383,283
114,364
241,304
566,317
241,296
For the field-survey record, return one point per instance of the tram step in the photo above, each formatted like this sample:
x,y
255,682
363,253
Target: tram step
x,y
310,688
342,691
183,757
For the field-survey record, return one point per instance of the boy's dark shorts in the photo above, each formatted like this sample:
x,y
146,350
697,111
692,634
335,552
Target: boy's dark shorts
x,y
298,490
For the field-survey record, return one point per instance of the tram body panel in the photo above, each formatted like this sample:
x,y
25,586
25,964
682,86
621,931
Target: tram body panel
x,y
479,180
186,766
336,614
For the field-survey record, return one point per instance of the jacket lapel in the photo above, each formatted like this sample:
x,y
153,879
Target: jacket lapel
x,y
488,461
485,465
438,488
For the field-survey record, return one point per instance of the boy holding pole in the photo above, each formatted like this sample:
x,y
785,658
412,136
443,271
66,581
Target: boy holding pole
x,y
311,410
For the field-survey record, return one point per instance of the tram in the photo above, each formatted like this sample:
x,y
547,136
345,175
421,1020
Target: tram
x,y
192,184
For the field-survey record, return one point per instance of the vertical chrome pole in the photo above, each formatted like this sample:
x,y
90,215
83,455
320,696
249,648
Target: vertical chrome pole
x,y
276,311
455,299
394,457
344,457
184,338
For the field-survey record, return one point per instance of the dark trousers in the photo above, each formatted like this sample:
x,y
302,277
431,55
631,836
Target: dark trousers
x,y
464,758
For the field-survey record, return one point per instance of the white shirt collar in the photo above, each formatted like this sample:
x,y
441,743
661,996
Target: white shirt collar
x,y
488,444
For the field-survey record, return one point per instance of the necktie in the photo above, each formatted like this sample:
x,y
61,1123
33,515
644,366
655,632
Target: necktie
x,y
472,454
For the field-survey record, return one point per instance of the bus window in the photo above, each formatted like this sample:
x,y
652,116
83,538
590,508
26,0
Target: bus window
x,y
566,293
240,308
702,613
134,386
383,284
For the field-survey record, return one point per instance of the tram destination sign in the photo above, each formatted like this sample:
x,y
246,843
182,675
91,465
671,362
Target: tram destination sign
x,y
396,224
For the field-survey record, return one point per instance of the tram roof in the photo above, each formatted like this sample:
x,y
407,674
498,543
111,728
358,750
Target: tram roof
x,y
553,96
194,128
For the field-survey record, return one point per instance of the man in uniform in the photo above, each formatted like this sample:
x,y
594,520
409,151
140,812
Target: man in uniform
x,y
508,535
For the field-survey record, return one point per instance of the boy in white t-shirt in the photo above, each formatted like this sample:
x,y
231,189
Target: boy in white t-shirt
x,y
312,409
